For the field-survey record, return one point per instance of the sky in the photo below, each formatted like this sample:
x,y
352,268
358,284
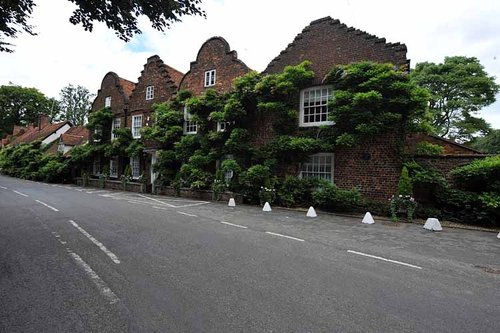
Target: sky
x,y
258,30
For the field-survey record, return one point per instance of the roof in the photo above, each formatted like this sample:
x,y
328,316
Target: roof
x,y
175,75
128,86
72,140
35,133
78,131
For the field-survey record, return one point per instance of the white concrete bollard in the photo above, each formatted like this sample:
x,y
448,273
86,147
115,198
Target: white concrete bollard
x,y
231,202
311,212
432,224
498,235
267,207
368,219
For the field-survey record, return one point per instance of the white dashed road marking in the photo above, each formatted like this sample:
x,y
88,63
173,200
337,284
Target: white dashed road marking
x,y
285,236
96,242
234,225
48,206
163,203
384,259
192,215
24,195
5,188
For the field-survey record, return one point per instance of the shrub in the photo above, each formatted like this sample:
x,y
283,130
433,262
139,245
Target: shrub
x,y
294,191
427,148
253,179
480,175
330,197
404,186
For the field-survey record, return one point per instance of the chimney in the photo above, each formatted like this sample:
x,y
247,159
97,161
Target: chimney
x,y
43,121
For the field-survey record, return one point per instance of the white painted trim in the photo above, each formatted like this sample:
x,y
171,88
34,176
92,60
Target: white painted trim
x,y
54,136
301,111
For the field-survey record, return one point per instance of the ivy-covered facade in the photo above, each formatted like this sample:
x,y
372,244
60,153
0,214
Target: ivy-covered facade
x,y
222,126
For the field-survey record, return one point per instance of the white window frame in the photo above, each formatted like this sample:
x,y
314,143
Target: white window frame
x,y
113,167
190,127
136,130
210,77
107,102
222,125
117,123
315,166
135,167
306,94
150,92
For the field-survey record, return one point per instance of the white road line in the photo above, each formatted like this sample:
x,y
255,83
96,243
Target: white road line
x,y
234,225
5,188
96,242
101,285
163,203
24,195
191,205
48,206
280,235
192,215
92,192
384,259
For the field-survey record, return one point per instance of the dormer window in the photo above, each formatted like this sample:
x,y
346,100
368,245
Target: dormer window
x,y
150,92
107,102
210,78
314,106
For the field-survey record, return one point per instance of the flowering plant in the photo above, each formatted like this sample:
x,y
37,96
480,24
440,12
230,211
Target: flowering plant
x,y
267,194
402,203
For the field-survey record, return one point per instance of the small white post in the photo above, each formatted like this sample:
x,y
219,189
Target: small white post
x,y
311,212
498,235
267,207
231,203
368,219
432,224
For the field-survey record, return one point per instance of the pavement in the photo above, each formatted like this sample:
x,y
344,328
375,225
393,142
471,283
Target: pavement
x,y
78,259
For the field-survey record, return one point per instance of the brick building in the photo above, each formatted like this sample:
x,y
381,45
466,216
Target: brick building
x,y
374,167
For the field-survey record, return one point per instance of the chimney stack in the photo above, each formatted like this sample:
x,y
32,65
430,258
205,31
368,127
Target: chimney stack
x,y
43,121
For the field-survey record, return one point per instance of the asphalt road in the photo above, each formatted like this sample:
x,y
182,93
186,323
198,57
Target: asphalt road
x,y
88,260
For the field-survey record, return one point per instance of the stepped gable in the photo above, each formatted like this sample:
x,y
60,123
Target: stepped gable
x,y
118,89
327,42
215,53
164,78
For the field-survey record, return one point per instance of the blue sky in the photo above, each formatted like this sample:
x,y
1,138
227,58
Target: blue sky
x,y
258,30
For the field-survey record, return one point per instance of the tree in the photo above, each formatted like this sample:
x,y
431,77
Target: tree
x,y
459,88
371,99
74,104
119,15
488,144
20,106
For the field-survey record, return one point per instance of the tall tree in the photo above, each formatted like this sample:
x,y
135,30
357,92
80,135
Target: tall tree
x,y
488,144
118,15
460,88
74,104
20,106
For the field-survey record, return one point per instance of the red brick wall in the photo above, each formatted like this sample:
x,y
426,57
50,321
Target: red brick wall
x,y
111,86
444,164
155,73
327,42
216,54
373,166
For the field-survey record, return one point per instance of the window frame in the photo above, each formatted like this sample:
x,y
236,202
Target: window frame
x,y
107,102
150,92
302,123
332,166
136,131
96,166
188,124
135,160
210,78
113,127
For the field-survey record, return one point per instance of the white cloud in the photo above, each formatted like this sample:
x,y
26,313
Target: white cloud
x,y
258,30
